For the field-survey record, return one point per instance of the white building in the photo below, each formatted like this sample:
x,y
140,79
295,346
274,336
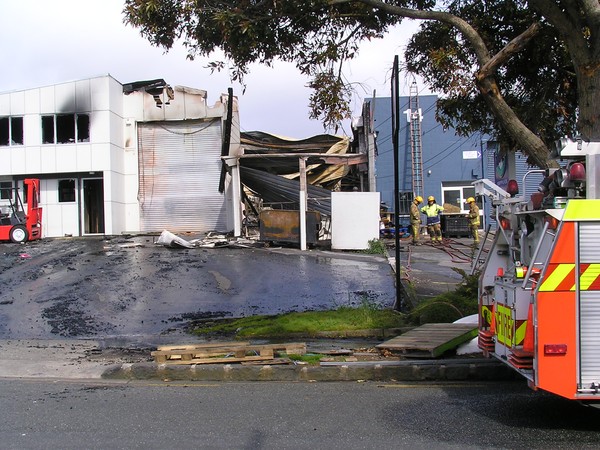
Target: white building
x,y
113,158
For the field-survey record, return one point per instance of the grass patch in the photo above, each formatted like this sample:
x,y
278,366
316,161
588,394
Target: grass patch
x,y
312,359
444,308
308,323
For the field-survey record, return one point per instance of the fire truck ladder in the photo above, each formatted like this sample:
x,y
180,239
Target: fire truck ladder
x,y
416,146
536,265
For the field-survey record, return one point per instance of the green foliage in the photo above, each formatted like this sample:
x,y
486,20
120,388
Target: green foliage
x,y
538,82
376,247
449,306
550,82
316,35
312,359
310,323
444,308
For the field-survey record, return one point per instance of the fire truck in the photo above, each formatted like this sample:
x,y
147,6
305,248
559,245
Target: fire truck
x,y
17,224
539,284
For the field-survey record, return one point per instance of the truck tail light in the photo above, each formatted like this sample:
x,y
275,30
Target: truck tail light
x,y
552,222
555,349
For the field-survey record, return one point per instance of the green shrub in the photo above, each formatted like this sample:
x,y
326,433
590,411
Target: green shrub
x,y
450,306
376,247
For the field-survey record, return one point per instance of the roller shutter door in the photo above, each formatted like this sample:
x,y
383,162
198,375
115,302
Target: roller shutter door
x,y
179,172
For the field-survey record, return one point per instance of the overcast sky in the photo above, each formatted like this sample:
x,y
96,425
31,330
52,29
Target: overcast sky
x,y
45,42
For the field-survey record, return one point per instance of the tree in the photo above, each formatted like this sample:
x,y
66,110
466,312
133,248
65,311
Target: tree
x,y
319,35
538,83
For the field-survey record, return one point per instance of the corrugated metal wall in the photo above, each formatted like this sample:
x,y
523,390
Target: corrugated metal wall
x,y
179,167
521,168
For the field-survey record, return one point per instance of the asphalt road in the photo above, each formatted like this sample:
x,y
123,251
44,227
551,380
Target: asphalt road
x,y
73,415
131,289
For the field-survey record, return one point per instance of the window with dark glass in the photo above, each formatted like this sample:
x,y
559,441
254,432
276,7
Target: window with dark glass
x,y
5,190
48,130
65,128
70,128
11,131
4,131
16,131
66,191
83,128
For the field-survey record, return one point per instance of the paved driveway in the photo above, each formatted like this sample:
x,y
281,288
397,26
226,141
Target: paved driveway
x,y
132,289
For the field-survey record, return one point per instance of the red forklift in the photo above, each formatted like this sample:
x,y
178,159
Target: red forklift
x,y
16,224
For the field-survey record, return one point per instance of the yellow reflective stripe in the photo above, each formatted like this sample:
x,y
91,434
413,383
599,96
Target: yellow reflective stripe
x,y
553,281
578,209
486,314
589,276
520,333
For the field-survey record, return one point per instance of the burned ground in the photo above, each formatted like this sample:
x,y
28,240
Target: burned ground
x,y
128,289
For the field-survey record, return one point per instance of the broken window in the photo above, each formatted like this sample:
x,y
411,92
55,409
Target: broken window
x,y
4,130
48,130
65,128
83,127
11,131
66,191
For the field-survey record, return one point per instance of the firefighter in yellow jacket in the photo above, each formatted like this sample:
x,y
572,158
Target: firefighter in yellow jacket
x,y
432,210
415,219
473,219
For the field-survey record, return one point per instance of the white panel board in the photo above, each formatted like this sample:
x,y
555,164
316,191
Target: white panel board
x,y
354,219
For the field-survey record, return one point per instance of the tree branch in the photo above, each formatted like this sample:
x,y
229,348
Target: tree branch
x,y
479,47
514,46
523,136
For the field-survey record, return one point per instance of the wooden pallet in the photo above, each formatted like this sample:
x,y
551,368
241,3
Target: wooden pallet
x,y
223,353
430,340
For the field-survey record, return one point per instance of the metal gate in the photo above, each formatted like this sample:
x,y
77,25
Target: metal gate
x,y
179,172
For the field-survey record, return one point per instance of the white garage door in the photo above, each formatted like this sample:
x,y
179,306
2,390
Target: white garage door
x,y
180,168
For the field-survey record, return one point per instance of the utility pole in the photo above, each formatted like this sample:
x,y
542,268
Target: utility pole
x,y
399,304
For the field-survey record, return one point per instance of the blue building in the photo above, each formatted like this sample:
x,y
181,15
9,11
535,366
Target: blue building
x,y
433,160
449,163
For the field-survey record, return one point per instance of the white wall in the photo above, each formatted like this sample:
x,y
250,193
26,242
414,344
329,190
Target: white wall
x,y
354,219
111,151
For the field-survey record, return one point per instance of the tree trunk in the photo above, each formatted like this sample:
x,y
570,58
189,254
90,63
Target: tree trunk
x,y
530,143
588,88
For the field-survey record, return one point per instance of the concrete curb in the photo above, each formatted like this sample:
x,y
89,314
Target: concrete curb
x,y
442,370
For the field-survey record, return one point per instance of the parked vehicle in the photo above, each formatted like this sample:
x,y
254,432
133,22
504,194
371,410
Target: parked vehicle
x,y
539,289
16,224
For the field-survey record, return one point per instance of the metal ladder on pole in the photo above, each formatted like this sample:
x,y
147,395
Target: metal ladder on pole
x,y
416,144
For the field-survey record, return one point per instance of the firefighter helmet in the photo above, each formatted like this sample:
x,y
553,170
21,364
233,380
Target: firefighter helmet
x,y
419,199
431,198
470,199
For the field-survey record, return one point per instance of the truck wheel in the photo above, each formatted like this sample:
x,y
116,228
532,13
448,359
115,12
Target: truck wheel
x,y
19,234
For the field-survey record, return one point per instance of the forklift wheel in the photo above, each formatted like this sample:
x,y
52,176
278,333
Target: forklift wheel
x,y
19,234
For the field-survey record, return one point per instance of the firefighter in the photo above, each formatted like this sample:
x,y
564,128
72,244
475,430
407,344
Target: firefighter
x,y
432,210
473,220
415,219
